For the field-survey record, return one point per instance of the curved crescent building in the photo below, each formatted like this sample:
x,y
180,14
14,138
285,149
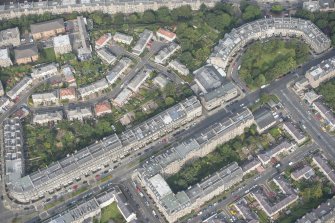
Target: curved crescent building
x,y
17,8
265,28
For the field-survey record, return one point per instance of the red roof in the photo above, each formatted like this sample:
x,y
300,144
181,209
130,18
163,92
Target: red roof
x,y
166,33
67,92
103,39
102,107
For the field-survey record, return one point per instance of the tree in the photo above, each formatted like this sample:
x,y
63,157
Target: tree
x,y
182,13
322,23
149,16
118,18
133,18
169,101
163,15
277,8
251,12
97,17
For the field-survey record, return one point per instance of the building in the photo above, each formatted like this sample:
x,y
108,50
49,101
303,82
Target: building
x,y
325,168
102,108
5,60
161,81
92,207
105,55
273,208
325,212
282,147
166,35
4,104
180,68
319,5
45,30
62,44
95,157
144,39
13,149
43,118
48,98
118,70
311,96
84,52
321,72
162,123
44,71
79,113
67,94
233,42
69,78
103,40
296,133
311,6
26,53
251,165
10,37
264,119
166,52
208,78
9,10
305,172
219,96
247,214
174,206
122,38
123,97
301,84
21,86
325,113
93,88
2,91
127,118
139,79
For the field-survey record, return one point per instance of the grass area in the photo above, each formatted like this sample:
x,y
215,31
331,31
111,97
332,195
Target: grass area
x,y
47,55
327,90
111,212
263,218
79,191
266,61
53,204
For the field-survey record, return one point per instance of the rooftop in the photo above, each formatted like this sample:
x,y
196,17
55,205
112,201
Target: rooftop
x,y
47,26
62,40
24,51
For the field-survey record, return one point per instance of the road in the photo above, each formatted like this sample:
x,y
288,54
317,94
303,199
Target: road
x,y
270,172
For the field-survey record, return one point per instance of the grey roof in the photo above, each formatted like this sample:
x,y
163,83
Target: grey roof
x,y
264,118
208,78
47,26
118,69
220,91
24,51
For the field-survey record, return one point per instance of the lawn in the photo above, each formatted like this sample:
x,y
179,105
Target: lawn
x,y
111,212
265,61
47,55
